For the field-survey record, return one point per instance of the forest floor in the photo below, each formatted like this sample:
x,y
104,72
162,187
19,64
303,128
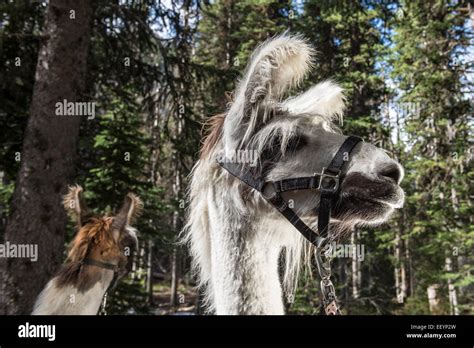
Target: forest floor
x,y
186,300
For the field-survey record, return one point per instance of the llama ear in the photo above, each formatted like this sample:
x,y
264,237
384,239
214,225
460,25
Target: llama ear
x,y
326,99
75,205
131,208
276,66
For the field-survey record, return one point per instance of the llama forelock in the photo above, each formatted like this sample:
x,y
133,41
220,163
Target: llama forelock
x,y
95,234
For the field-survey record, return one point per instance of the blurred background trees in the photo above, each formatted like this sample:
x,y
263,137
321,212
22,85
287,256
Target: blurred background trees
x,y
156,70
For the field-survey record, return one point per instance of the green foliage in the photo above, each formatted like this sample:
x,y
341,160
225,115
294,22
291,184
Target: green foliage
x,y
128,298
306,300
119,166
416,305
428,42
119,155
228,33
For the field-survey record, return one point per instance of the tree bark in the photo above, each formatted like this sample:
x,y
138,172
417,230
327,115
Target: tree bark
x,y
48,156
434,299
149,278
174,278
175,259
453,296
400,267
356,271
199,303
471,14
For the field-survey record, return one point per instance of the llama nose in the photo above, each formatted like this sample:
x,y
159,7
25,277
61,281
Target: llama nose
x,y
391,171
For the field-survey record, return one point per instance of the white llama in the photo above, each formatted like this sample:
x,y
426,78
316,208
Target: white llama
x,y
235,236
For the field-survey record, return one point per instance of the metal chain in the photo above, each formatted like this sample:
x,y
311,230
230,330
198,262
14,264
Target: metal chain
x,y
323,262
102,310
103,305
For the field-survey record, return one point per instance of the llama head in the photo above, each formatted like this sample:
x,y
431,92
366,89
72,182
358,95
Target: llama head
x,y
124,234
104,238
296,136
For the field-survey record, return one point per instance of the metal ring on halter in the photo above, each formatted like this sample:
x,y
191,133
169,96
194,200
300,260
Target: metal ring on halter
x,y
328,183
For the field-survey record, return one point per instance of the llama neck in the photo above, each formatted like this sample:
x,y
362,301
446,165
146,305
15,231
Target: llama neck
x,y
70,300
245,275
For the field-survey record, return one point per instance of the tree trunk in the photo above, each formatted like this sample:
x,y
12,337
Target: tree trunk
x,y
344,279
471,14
434,299
453,296
135,264
175,269
3,208
410,288
149,277
174,278
48,156
400,268
399,274
199,303
356,272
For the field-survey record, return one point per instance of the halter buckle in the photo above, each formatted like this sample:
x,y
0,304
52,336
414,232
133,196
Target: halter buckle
x,y
328,182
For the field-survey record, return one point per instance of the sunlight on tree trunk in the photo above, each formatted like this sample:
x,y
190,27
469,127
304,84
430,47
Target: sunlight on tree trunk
x,y
453,297
356,271
434,299
149,276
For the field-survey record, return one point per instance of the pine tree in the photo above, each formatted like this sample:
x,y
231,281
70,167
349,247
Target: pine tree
x,y
430,39
227,34
119,166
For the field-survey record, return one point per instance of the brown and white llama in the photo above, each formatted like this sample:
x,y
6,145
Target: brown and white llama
x,y
98,255
236,237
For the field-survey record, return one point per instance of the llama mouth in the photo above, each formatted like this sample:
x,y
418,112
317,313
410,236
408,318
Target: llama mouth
x,y
391,202
365,190
361,207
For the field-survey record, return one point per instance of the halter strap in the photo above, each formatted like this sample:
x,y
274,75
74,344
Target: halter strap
x,y
334,167
101,264
327,183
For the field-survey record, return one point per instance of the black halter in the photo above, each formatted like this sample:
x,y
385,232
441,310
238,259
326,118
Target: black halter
x,y
100,264
327,183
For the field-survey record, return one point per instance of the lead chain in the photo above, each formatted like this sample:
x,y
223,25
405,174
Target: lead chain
x,y
323,262
102,310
